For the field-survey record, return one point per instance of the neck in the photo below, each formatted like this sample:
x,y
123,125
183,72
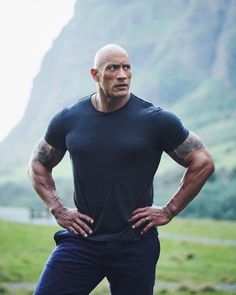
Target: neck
x,y
108,104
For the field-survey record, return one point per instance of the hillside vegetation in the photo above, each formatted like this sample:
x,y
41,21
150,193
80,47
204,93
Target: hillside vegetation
x,y
183,58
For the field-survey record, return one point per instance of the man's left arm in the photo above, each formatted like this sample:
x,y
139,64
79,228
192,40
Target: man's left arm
x,y
199,166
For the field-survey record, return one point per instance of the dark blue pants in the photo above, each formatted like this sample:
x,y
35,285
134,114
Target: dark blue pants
x,y
77,266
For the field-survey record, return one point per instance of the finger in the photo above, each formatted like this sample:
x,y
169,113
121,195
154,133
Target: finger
x,y
147,227
78,229
71,229
84,226
85,217
140,210
138,216
139,223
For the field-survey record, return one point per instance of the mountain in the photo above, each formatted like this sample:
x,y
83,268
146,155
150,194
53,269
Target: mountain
x,y
183,55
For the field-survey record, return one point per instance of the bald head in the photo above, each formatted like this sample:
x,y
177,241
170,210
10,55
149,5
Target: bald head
x,y
103,54
112,72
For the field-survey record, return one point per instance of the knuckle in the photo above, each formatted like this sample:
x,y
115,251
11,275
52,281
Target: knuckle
x,y
74,223
76,226
86,228
81,231
78,221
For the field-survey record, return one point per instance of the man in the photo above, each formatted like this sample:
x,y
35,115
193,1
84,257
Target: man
x,y
115,141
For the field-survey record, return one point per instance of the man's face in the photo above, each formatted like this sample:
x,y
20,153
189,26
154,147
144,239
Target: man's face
x,y
114,75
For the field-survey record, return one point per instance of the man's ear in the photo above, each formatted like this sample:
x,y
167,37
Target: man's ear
x,y
95,74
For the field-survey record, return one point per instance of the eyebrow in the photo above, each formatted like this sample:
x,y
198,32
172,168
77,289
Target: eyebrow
x,y
118,64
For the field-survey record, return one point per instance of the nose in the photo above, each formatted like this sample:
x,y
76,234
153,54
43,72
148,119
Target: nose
x,y
121,75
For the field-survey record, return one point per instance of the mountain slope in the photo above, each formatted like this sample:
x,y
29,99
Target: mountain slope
x,y
183,58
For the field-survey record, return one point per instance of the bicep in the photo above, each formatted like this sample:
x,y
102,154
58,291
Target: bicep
x,y
47,155
184,153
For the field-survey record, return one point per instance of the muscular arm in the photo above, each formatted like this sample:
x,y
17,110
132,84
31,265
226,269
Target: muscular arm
x,y
195,157
199,166
44,159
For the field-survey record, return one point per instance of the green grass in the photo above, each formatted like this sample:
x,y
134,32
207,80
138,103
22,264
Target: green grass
x,y
24,249
203,227
183,262
22,291
193,267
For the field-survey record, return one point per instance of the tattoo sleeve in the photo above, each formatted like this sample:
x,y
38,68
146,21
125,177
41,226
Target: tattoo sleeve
x,y
192,142
47,155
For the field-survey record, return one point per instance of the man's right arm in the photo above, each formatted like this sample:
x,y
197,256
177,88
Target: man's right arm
x,y
44,159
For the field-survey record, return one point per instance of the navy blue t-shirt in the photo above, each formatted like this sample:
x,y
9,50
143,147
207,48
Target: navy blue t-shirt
x,y
114,158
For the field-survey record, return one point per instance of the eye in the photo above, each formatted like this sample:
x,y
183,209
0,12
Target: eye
x,y
113,67
126,67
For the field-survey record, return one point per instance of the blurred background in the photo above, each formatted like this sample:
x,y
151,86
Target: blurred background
x,y
183,55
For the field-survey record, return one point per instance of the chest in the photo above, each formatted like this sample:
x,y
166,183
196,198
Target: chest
x,y
120,138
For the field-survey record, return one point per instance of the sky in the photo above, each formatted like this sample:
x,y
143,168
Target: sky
x,y
27,30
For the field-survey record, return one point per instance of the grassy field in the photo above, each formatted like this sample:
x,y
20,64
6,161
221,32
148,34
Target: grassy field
x,y
187,265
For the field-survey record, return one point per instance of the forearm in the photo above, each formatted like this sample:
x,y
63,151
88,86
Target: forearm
x,y
43,160
193,180
193,155
43,183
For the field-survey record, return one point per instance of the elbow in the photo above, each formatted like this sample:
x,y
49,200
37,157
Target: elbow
x,y
209,166
203,163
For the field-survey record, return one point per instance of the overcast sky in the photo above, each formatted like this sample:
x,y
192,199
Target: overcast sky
x,y
27,29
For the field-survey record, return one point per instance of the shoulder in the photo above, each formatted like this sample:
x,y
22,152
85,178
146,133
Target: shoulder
x,y
141,101
156,112
73,110
62,122
166,117
145,106
165,124
81,104
63,118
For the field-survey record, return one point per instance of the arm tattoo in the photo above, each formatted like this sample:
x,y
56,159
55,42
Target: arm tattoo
x,y
47,155
191,143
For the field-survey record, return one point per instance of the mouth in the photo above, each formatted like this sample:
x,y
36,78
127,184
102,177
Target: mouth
x,y
121,85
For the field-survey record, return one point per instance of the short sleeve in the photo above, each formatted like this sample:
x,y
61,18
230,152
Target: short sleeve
x,y
173,132
55,134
